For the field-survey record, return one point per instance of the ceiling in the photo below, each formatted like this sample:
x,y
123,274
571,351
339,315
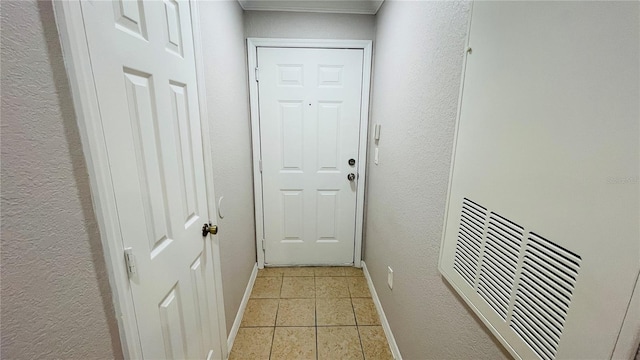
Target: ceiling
x,y
333,6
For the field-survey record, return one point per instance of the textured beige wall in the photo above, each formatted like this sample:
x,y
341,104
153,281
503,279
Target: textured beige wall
x,y
56,301
283,24
228,104
419,57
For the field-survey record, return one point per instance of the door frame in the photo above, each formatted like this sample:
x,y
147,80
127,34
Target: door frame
x,y
252,53
69,20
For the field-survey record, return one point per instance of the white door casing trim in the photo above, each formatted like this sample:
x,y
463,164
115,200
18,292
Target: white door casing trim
x,y
70,24
252,52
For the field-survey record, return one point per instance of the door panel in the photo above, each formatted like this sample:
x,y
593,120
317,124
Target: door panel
x,y
309,102
171,315
144,70
144,126
293,215
291,123
172,27
187,168
200,302
328,215
129,17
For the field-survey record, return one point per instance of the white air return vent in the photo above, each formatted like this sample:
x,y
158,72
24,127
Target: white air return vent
x,y
544,294
472,220
499,263
541,235
529,286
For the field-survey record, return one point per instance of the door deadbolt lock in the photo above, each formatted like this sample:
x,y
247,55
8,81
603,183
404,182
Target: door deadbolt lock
x,y
352,162
351,177
209,229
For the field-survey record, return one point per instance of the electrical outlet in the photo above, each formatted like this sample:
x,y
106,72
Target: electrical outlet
x,y
390,277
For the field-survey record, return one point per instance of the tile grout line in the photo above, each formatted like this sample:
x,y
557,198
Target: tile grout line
x,y
315,309
304,326
275,322
315,298
357,328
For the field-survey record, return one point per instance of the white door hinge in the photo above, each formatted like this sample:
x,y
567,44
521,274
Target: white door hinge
x,y
260,165
257,75
130,262
263,247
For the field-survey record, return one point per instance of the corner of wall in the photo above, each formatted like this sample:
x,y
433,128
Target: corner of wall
x,y
416,79
223,36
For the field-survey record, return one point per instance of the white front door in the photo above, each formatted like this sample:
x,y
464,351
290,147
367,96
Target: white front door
x,y
309,101
143,64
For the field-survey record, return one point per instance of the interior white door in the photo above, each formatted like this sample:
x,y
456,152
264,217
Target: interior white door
x,y
309,102
143,63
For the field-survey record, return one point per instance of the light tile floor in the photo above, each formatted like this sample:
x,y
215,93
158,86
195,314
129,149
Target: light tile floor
x,y
316,313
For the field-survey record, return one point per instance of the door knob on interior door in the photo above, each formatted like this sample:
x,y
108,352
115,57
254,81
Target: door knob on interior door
x,y
209,229
351,176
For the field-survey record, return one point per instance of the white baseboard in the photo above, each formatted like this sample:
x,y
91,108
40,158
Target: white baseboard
x,y
243,306
383,318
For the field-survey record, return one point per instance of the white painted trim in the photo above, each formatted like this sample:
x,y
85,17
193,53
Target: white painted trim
x,y
366,46
455,139
243,306
393,346
362,152
629,336
75,50
255,6
256,150
378,8
308,43
208,168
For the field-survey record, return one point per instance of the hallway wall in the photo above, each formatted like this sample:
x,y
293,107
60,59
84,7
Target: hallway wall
x,y
419,57
222,28
283,24
56,299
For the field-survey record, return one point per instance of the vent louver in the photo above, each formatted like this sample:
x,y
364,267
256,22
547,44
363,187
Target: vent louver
x,y
528,283
470,233
499,263
544,293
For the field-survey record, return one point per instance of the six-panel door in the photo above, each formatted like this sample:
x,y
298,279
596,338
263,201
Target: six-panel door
x,y
309,102
144,70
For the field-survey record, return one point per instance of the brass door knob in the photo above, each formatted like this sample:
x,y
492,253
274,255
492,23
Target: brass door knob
x,y
209,229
